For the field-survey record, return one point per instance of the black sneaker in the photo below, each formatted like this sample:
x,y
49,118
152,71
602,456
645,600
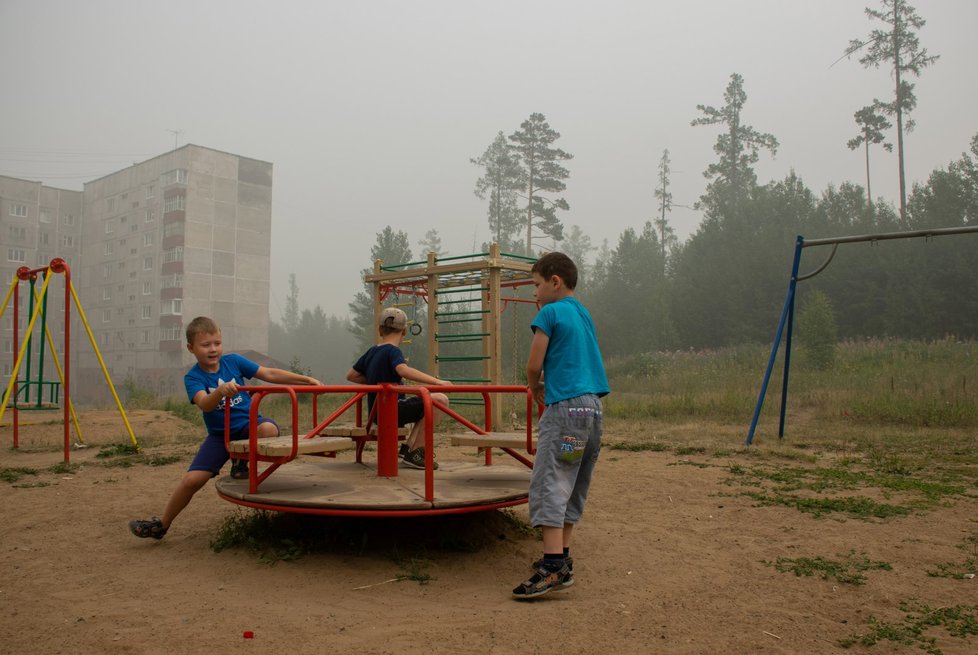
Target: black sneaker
x,y
143,528
403,451
543,582
239,469
415,459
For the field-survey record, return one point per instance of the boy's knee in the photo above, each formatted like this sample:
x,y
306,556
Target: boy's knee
x,y
195,480
267,430
440,397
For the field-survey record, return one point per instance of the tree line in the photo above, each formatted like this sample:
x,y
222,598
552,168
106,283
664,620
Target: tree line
x,y
725,283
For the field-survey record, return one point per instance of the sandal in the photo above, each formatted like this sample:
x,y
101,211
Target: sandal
x,y
143,528
239,469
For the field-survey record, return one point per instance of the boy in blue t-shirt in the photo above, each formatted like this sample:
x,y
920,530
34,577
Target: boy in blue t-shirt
x,y
210,383
565,349
385,363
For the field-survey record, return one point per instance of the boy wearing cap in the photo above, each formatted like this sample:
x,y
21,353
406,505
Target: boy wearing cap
x,y
385,363
565,353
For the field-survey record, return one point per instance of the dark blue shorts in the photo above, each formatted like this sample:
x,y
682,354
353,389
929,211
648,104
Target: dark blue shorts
x,y
212,455
409,410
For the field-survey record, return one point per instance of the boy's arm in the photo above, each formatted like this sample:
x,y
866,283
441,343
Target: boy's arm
x,y
534,364
280,376
356,377
208,402
415,375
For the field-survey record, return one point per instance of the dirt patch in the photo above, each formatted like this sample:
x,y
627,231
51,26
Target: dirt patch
x,y
670,558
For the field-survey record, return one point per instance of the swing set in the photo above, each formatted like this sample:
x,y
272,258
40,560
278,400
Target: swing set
x,y
39,394
786,321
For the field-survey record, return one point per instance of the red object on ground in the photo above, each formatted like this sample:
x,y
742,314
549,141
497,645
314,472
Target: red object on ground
x,y
248,634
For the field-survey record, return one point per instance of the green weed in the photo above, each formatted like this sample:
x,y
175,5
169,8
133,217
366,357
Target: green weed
x,y
849,571
116,450
13,474
958,621
960,571
63,468
853,506
636,447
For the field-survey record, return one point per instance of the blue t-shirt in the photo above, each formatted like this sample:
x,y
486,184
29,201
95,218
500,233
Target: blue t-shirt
x,y
572,366
233,368
379,365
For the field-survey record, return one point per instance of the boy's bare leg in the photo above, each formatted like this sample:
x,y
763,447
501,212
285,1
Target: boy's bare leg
x,y
267,430
416,437
568,533
192,482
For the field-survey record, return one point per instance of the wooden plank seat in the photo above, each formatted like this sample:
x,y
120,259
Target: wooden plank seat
x,y
282,446
493,440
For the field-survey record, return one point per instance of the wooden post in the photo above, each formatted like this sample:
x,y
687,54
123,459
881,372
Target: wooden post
x,y
432,311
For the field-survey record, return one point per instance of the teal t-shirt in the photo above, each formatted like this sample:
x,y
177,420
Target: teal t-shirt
x,y
572,366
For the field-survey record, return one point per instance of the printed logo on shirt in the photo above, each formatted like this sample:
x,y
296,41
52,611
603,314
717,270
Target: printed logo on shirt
x,y
237,400
583,412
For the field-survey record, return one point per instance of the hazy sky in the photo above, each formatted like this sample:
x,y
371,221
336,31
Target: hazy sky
x,y
371,111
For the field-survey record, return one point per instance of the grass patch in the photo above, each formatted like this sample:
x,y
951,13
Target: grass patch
x,y
849,571
62,468
959,621
637,447
959,571
14,473
683,451
853,506
116,450
413,569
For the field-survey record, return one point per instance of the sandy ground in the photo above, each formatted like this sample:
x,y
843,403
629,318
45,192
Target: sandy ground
x,y
669,559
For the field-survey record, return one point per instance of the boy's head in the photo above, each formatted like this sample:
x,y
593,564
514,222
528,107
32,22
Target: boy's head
x,y
204,341
559,264
392,321
201,325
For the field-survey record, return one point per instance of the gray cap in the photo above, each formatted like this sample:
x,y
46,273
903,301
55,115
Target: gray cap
x,y
393,318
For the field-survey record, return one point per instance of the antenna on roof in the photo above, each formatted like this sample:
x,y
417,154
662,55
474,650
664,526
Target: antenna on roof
x,y
176,134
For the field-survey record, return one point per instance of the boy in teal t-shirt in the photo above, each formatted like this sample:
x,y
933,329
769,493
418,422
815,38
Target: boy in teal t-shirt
x,y
565,353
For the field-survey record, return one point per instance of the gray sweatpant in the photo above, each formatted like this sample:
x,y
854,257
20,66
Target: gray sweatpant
x,y
569,443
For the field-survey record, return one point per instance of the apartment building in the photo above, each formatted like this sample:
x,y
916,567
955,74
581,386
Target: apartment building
x,y
184,234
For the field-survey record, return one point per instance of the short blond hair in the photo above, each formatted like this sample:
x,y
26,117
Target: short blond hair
x,y
201,325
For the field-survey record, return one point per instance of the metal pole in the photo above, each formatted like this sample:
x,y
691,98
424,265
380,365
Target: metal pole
x,y
788,302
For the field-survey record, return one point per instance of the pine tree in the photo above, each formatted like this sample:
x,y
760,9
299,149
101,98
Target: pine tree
x,y
533,143
898,46
871,124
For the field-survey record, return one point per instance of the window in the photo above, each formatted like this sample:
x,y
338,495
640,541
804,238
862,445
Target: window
x,y
174,281
68,241
106,315
174,203
7,346
104,339
106,293
172,229
171,334
43,238
173,255
68,219
109,227
107,248
148,238
144,336
174,306
19,210
149,216
147,287
150,191
176,176
15,255
147,311
106,270
17,232
110,205
45,216
147,263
